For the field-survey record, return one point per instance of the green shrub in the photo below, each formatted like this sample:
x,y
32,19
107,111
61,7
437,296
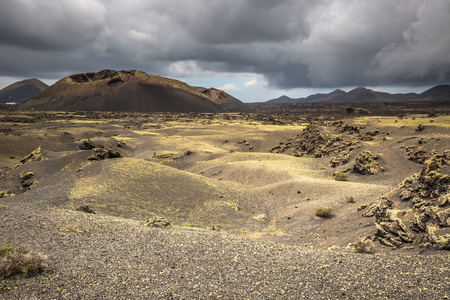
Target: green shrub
x,y
15,259
364,246
324,212
340,176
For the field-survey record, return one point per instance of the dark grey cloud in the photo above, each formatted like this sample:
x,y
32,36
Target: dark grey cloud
x,y
244,22
327,43
51,24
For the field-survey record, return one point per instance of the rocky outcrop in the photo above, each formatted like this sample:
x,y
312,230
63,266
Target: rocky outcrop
x,y
313,141
366,164
158,222
100,152
228,102
416,154
425,201
37,154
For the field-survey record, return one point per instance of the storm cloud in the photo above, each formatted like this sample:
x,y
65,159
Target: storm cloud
x,y
291,44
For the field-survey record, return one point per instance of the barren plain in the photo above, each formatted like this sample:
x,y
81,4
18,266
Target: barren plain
x,y
241,193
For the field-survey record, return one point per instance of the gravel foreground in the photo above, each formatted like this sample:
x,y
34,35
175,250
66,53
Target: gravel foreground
x,y
123,259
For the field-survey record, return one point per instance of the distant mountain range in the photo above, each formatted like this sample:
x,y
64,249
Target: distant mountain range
x,y
131,90
21,91
361,94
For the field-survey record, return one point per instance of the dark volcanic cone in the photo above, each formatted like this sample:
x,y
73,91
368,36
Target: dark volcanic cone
x,y
110,90
21,91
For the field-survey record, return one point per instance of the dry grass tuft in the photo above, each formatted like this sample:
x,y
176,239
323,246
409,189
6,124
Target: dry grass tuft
x,y
364,246
324,212
16,259
349,199
340,176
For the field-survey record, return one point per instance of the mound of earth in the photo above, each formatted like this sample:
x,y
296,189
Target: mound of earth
x,y
110,90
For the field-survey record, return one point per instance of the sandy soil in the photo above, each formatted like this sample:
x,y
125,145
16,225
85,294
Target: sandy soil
x,y
240,192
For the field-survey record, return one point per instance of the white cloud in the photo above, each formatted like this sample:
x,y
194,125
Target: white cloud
x,y
251,82
229,87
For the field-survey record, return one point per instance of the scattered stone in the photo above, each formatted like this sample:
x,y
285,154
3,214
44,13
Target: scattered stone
x,y
234,206
26,176
104,153
35,155
261,217
362,206
26,179
369,135
100,151
167,155
420,127
86,145
6,193
444,200
158,222
406,195
85,208
417,155
340,159
351,129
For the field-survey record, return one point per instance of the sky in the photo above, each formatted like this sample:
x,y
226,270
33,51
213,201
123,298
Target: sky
x,y
255,50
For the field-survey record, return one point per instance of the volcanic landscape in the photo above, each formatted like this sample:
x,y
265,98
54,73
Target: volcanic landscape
x,y
138,186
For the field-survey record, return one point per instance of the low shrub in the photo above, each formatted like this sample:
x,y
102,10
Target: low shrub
x,y
16,259
324,212
364,246
349,199
340,176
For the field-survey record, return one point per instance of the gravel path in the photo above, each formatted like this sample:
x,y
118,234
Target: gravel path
x,y
122,259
